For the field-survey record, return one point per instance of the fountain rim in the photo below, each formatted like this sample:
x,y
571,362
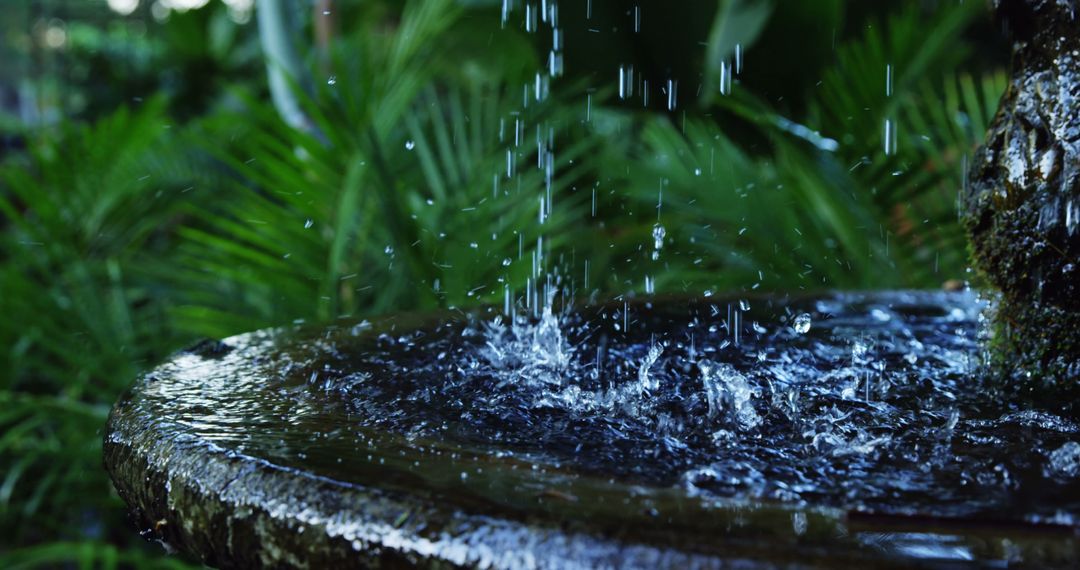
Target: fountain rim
x,y
361,522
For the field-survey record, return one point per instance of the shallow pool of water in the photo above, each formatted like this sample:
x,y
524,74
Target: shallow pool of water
x,y
834,411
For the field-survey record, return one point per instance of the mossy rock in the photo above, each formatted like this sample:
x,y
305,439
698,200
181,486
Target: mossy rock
x,y
1022,204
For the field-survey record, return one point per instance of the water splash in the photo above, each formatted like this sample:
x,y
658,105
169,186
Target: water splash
x,y
647,383
729,395
671,400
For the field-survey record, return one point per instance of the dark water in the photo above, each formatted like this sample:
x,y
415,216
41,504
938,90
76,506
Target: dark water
x,y
871,404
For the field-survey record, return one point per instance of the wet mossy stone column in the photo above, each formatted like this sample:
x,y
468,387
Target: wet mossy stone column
x,y
1022,203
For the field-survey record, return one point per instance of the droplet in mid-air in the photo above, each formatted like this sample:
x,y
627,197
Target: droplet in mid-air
x,y
658,234
409,145
332,80
802,323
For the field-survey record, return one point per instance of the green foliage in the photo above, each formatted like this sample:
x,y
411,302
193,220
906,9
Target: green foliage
x,y
84,217
85,554
736,25
128,238
826,205
400,200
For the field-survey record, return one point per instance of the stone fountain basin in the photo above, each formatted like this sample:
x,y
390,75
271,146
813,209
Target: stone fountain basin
x,y
245,453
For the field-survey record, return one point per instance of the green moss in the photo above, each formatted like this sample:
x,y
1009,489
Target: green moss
x,y
1019,207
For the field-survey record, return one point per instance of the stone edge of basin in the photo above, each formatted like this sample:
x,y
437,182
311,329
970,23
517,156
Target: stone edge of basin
x,y
235,511
239,512
1021,208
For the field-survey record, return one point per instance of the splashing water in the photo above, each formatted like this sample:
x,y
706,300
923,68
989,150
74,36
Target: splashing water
x,y
837,416
535,354
730,395
647,383
1065,461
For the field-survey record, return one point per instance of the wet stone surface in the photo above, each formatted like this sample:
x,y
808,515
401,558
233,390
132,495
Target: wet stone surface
x,y
1022,205
827,431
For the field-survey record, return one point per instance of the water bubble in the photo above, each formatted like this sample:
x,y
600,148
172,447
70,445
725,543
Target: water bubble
x,y
309,223
880,316
332,80
802,323
409,145
389,250
506,262
697,172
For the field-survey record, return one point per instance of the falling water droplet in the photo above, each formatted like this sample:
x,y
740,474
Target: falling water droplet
x,y
332,80
802,323
658,235
309,223
409,145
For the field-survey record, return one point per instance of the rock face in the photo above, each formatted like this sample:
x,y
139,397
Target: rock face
x,y
1022,206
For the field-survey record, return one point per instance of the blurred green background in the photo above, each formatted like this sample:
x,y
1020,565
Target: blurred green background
x,y
152,195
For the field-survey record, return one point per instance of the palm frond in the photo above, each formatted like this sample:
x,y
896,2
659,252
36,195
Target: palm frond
x,y
84,218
